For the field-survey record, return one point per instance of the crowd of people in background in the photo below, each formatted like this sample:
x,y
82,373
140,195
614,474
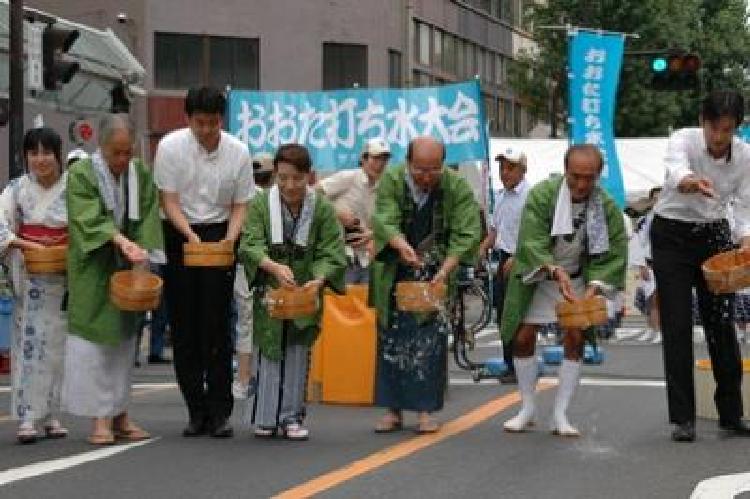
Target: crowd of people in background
x,y
563,239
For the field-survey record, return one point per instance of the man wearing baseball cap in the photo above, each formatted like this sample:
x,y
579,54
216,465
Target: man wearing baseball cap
x,y
503,233
353,194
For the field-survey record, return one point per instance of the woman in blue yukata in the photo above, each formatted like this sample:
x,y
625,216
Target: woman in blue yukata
x,y
33,215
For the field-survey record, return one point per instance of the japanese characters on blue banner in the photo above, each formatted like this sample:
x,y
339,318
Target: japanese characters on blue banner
x,y
335,125
594,61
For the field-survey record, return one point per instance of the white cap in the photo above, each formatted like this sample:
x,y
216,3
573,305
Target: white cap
x,y
513,155
376,147
76,155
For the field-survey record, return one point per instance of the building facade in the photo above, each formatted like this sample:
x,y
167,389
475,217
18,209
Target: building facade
x,y
304,45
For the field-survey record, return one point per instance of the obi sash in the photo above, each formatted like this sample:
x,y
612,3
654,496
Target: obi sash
x,y
47,236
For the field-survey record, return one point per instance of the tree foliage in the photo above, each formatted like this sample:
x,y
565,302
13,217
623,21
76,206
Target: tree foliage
x,y
716,30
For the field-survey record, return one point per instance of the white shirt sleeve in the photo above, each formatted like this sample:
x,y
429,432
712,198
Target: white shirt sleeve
x,y
7,218
495,219
742,205
676,160
335,185
165,168
245,182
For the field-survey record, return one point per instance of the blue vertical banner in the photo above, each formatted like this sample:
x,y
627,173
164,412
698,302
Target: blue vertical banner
x,y
595,60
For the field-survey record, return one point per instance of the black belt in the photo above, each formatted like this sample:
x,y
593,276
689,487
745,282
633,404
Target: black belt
x,y
685,225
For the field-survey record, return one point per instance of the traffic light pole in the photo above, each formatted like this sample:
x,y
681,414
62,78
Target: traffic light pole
x,y
15,142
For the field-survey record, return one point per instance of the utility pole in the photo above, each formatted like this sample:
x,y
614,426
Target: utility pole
x,y
15,143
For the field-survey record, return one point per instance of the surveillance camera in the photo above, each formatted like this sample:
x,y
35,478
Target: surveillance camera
x,y
122,18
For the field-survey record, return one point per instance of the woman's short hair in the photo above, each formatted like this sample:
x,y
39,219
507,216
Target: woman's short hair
x,y
294,154
47,138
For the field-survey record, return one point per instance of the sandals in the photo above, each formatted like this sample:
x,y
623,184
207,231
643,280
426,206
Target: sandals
x,y
103,438
133,433
389,423
26,433
428,426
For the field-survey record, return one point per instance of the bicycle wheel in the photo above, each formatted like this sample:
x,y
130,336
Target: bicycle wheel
x,y
477,310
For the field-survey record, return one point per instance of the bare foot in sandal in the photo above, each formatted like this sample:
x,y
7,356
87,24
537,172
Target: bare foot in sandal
x,y
391,422
427,424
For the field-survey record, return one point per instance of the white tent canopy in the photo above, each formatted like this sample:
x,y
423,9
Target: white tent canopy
x,y
641,161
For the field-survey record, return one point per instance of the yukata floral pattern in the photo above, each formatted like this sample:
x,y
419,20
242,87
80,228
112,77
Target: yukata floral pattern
x,y
39,321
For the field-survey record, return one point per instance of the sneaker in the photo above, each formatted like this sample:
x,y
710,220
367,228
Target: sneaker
x,y
295,431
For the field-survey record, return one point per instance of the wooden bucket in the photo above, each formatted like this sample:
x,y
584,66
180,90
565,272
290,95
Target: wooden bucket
x,y
582,314
417,296
219,254
47,260
727,272
292,303
135,290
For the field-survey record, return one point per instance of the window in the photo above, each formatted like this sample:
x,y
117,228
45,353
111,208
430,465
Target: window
x,y
506,114
460,59
499,70
184,61
344,65
394,69
423,44
506,13
517,121
422,79
233,61
437,48
495,8
449,54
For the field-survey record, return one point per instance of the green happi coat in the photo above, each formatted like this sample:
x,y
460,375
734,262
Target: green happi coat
x,y
93,257
459,213
535,245
323,257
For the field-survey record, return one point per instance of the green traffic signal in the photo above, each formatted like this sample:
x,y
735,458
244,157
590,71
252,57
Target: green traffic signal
x,y
659,64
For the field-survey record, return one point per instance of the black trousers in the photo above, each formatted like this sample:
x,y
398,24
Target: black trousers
x,y
678,250
501,284
199,305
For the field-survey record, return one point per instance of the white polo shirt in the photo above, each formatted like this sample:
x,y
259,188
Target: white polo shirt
x,y
208,183
687,154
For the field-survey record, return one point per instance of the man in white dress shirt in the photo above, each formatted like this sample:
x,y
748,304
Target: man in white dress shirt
x,y
206,179
706,169
502,234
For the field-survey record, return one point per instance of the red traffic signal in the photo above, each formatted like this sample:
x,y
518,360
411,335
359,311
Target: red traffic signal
x,y
56,42
675,72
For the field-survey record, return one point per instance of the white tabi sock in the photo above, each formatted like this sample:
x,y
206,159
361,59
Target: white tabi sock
x,y
568,380
526,372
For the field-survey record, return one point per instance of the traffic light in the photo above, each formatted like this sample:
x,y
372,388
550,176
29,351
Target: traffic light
x,y
120,99
56,71
675,71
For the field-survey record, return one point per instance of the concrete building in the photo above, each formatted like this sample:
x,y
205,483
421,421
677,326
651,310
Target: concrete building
x,y
310,45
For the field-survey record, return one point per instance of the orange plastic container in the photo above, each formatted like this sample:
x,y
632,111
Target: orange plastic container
x,y
342,369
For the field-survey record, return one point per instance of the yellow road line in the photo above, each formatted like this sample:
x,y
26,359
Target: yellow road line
x,y
404,449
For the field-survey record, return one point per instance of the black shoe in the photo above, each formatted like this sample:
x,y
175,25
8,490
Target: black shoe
x,y
137,363
509,378
158,359
684,432
195,428
737,428
222,430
